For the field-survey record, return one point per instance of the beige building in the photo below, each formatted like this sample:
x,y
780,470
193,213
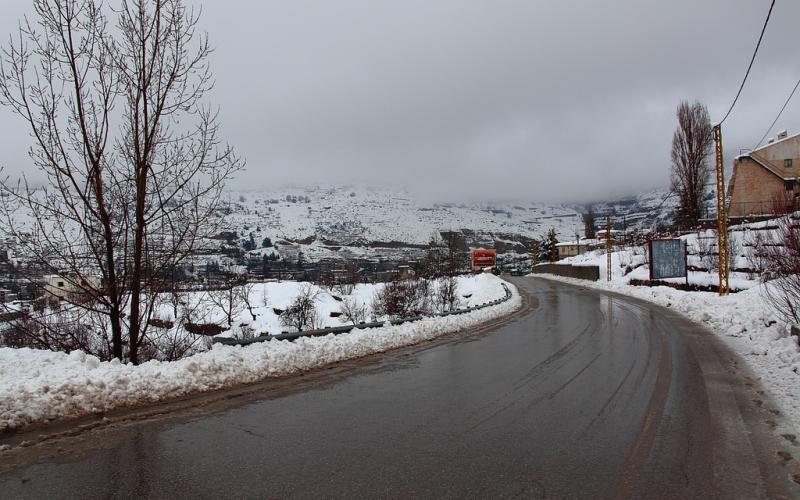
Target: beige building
x,y
73,288
573,248
765,180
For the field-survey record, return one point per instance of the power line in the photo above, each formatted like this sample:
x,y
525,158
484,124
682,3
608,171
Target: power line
x,y
779,114
752,60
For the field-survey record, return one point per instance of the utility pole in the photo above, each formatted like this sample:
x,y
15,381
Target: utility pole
x,y
534,253
608,248
722,214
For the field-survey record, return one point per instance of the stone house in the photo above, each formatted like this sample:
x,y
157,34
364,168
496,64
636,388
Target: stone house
x,y
765,180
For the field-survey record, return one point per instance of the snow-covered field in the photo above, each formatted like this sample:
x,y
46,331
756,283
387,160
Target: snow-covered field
x,y
265,298
39,386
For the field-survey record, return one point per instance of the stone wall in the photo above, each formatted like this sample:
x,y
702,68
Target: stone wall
x,y
591,273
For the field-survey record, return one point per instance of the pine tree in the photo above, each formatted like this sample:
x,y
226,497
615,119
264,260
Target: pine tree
x,y
588,223
552,244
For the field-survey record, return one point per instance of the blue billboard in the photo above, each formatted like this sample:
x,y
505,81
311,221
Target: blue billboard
x,y
667,259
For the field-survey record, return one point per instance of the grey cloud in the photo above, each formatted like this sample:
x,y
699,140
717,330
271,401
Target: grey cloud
x,y
537,99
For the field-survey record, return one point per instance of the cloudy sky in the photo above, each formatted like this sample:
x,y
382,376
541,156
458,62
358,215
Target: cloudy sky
x,y
494,98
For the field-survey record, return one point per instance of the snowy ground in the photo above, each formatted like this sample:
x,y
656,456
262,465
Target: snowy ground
x,y
39,386
744,321
630,264
265,298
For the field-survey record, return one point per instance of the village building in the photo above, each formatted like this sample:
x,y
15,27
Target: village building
x,y
765,180
71,288
576,247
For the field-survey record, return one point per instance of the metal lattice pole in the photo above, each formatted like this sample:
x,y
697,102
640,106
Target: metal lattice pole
x,y
722,215
608,248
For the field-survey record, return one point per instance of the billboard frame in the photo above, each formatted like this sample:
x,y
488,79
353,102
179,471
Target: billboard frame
x,y
685,258
475,251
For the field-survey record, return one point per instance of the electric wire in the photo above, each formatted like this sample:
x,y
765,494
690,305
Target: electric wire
x,y
750,66
779,114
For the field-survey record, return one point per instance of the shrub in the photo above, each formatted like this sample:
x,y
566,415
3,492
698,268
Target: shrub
x,y
302,312
782,270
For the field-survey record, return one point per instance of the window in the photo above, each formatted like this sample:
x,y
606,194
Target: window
x,y
787,163
60,284
789,185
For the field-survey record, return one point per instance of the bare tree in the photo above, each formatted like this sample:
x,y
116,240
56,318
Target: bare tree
x,y
691,145
302,312
447,294
230,297
353,311
782,270
246,293
131,155
348,279
446,255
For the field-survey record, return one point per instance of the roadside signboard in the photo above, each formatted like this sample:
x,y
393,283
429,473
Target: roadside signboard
x,y
483,258
667,259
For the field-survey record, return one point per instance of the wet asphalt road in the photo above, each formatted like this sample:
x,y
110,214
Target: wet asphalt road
x,y
581,395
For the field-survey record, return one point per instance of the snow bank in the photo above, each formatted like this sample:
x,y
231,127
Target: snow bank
x,y
744,321
38,386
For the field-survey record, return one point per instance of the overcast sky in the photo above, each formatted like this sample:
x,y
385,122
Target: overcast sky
x,y
504,99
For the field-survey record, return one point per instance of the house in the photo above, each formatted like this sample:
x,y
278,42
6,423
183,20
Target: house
x,y
405,272
572,248
72,288
765,180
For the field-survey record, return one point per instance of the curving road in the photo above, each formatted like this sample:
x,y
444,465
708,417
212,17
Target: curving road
x,y
580,395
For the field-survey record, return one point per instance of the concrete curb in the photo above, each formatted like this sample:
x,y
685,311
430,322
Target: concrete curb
x,y
337,330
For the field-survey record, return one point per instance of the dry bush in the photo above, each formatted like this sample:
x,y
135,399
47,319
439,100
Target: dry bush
x,y
64,329
755,243
447,294
172,345
782,270
302,312
403,299
353,311
707,250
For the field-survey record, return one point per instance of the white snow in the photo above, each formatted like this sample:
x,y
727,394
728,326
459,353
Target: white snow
x,y
39,386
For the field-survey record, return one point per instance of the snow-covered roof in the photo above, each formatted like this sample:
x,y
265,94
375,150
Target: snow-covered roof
x,y
773,143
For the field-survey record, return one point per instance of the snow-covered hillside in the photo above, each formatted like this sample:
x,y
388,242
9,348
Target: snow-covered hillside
x,y
348,221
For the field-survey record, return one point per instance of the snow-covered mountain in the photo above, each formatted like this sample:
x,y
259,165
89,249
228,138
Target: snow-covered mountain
x,y
373,222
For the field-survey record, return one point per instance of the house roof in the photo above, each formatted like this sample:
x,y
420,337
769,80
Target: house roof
x,y
772,144
777,167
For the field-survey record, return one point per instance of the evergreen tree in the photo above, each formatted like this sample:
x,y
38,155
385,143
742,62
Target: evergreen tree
x,y
552,244
588,223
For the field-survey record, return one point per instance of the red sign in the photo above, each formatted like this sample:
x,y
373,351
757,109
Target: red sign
x,y
482,258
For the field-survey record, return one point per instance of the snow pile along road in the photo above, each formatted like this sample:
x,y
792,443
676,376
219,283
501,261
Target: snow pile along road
x,y
744,321
38,386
